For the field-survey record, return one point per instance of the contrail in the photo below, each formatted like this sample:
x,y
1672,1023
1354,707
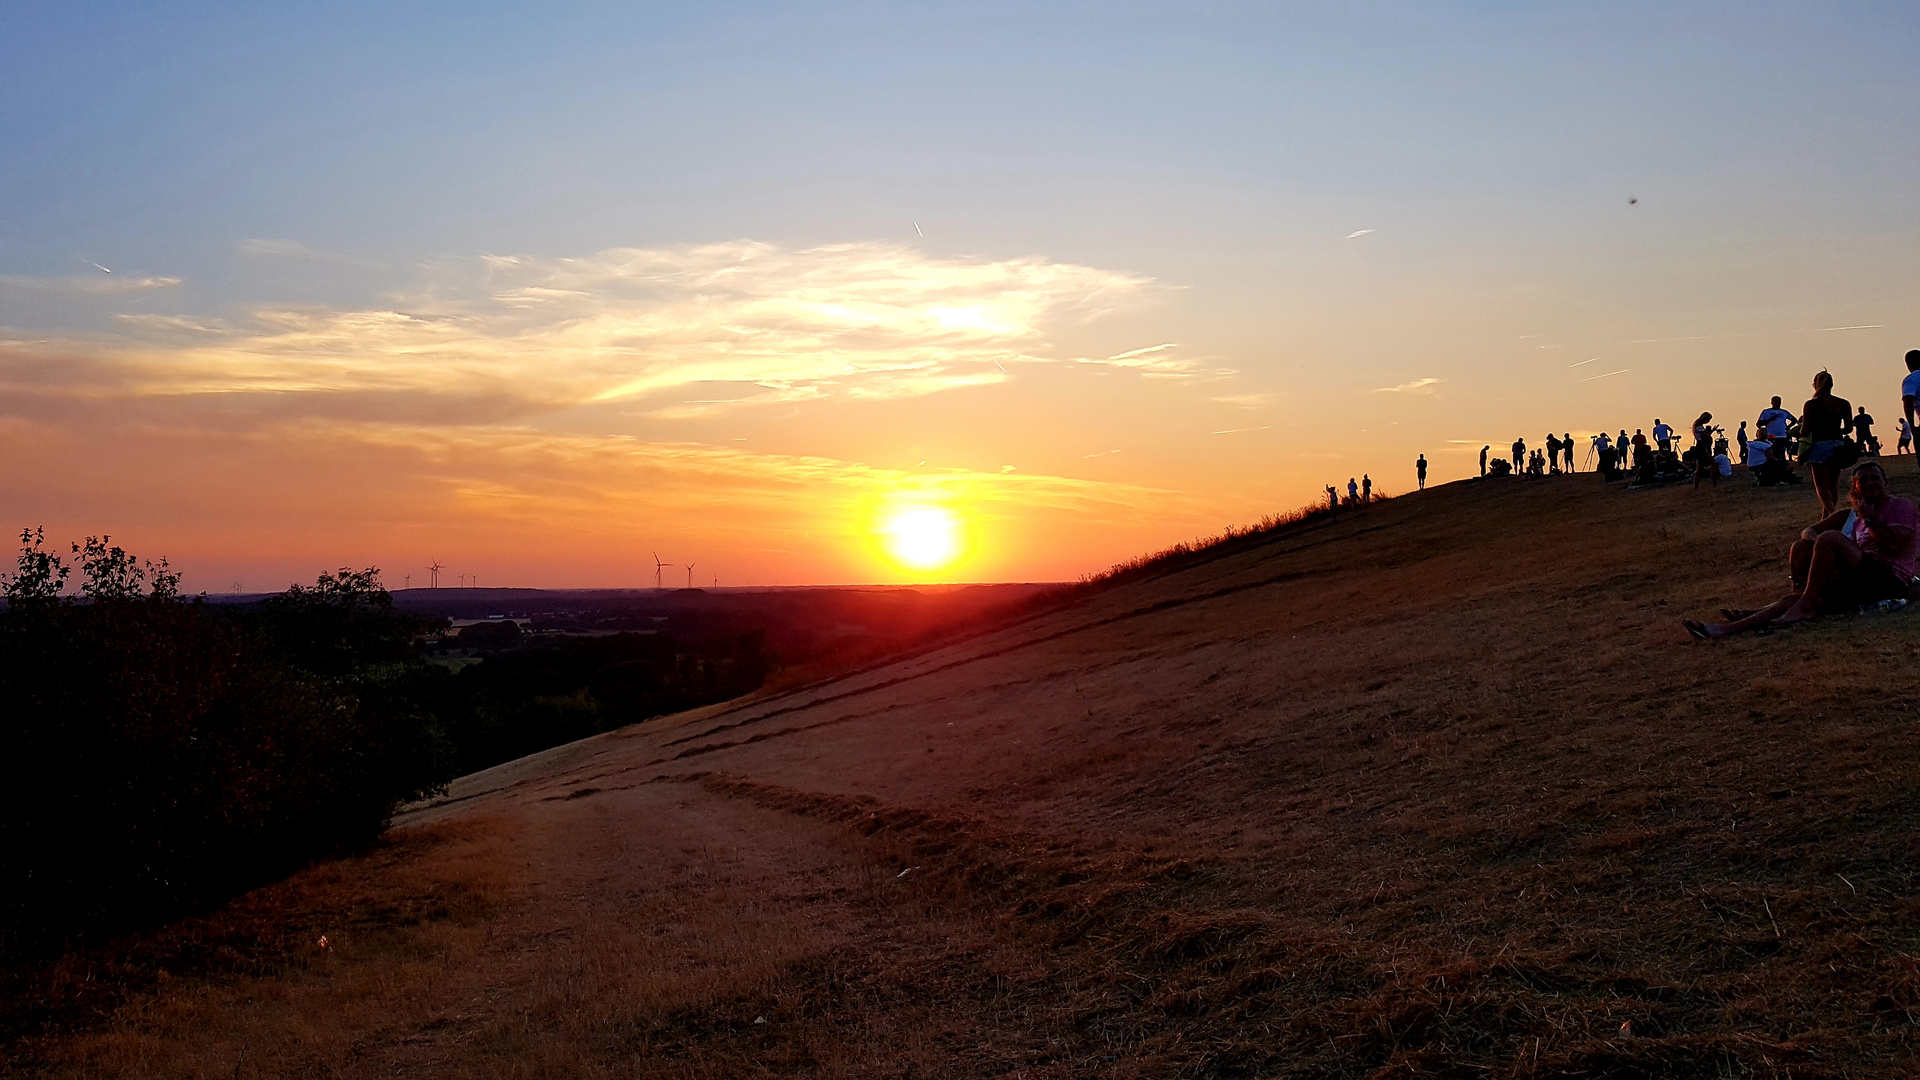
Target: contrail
x,y
1863,326
916,228
1622,371
1232,431
1357,235
1585,362
100,268
1003,371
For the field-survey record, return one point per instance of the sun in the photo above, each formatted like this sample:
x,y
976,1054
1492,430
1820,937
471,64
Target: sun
x,y
923,537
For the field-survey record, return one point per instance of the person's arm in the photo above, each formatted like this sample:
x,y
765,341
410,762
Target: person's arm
x,y
1830,523
1906,403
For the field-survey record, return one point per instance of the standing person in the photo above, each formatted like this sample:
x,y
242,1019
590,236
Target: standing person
x,y
1420,470
1566,447
1863,433
1906,437
1703,451
1823,426
1519,457
1483,458
1620,447
1743,440
1775,421
1662,434
1639,447
1333,499
1366,489
1353,492
1909,392
1553,451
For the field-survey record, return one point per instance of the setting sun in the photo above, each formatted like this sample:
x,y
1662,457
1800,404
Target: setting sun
x,y
923,537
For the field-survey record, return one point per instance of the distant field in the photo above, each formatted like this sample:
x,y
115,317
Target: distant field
x,y
1440,788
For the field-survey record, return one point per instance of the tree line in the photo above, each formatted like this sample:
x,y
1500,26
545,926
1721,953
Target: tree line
x,y
159,754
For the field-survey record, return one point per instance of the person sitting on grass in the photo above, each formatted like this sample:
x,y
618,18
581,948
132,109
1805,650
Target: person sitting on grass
x,y
1849,559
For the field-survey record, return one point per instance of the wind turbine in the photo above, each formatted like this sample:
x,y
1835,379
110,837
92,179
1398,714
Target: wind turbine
x,y
690,567
463,581
657,566
433,575
409,581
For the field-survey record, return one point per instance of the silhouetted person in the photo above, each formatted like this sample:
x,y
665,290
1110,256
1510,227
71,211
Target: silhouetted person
x,y
1420,470
1639,448
1620,447
1823,420
1366,489
1566,447
1553,451
1519,457
1772,425
1863,433
1333,498
1910,393
1353,492
1662,434
1703,463
1906,437
1743,440
1483,458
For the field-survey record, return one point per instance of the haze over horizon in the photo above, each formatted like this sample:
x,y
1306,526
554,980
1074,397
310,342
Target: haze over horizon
x,y
537,294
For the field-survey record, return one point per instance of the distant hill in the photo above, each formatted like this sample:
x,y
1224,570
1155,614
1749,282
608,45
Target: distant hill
x,y
1439,788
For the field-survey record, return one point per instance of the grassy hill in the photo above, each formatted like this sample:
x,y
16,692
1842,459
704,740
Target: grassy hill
x,y
1436,789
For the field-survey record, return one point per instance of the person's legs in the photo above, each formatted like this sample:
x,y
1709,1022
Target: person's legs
x,y
1826,481
1799,557
1764,617
1833,555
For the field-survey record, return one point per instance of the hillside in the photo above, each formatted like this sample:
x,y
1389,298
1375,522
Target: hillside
x,y
1436,789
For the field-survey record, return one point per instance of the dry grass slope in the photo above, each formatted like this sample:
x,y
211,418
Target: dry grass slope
x,y
1437,789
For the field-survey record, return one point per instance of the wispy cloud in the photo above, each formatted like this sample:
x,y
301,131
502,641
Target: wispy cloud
x,y
1159,361
1358,233
643,324
1622,371
94,285
1417,386
1245,401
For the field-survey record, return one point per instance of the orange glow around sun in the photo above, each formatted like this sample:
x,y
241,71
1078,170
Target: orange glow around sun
x,y
922,538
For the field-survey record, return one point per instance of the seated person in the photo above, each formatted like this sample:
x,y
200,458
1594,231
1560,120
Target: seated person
x,y
1851,558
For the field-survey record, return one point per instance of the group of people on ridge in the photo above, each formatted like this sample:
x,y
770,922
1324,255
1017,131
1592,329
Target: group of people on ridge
x,y
1856,556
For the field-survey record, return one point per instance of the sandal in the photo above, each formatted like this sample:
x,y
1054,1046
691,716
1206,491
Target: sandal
x,y
1697,629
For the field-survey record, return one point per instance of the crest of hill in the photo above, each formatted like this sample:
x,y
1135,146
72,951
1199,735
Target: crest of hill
x,y
1438,787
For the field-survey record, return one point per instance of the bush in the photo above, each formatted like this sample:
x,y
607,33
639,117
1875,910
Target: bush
x,y
159,756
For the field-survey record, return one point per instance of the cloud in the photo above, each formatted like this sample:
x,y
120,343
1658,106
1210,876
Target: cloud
x,y
151,322
88,286
1155,361
1245,401
1358,233
645,324
1417,386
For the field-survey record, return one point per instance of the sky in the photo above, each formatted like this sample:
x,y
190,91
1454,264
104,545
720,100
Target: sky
x,y
538,293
